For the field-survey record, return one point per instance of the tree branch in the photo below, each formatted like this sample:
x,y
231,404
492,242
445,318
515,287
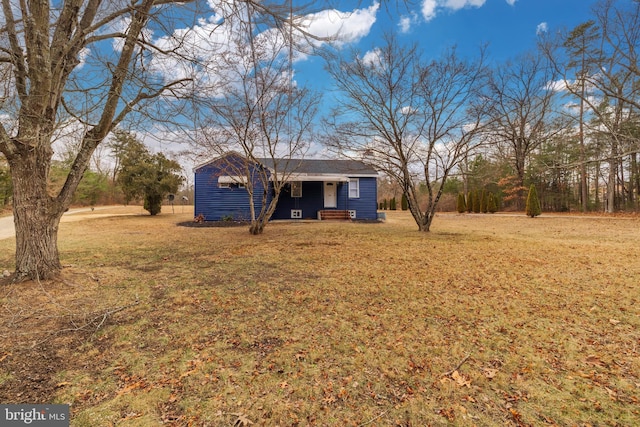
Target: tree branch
x,y
458,366
17,55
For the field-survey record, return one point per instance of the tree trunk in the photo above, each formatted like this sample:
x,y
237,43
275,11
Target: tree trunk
x,y
635,181
520,172
611,187
425,224
430,211
36,217
584,191
260,221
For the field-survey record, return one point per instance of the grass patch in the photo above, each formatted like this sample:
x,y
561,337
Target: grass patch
x,y
487,320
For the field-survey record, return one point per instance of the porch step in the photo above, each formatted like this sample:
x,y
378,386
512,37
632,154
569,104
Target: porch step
x,y
335,215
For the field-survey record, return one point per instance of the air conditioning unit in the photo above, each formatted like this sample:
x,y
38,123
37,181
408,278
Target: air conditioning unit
x,y
296,213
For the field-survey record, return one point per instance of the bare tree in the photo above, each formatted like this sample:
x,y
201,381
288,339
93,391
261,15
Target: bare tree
x,y
413,121
44,43
522,111
581,54
617,51
597,63
98,63
264,116
615,95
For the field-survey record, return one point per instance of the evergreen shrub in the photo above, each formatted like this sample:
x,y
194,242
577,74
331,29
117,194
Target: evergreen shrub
x,y
533,203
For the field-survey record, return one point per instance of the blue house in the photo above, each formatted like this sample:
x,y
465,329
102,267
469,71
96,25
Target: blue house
x,y
313,189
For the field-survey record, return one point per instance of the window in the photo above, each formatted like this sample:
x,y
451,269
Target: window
x,y
223,185
296,189
354,188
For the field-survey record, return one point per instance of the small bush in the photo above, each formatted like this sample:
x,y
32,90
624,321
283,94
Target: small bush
x,y
492,206
461,206
476,201
533,203
483,202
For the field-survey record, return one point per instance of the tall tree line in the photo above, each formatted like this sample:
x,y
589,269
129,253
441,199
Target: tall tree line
x,y
586,158
565,118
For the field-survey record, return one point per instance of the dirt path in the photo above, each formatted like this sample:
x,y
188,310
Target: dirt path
x,y
7,228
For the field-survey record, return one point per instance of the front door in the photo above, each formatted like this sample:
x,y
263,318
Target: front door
x,y
330,195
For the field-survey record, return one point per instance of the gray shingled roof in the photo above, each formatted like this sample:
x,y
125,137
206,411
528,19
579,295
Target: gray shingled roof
x,y
314,166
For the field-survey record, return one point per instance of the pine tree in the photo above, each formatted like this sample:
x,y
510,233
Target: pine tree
x,y
461,205
393,204
384,203
533,203
492,207
470,202
483,202
404,203
476,201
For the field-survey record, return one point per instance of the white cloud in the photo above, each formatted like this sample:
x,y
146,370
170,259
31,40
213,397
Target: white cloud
x,y
344,27
557,85
406,22
459,4
372,58
511,2
407,110
122,26
542,28
215,47
82,56
430,8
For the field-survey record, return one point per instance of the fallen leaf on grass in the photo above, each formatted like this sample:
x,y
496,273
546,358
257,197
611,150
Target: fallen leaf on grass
x,y
131,416
614,321
131,387
517,417
242,420
460,379
489,373
448,413
595,360
612,393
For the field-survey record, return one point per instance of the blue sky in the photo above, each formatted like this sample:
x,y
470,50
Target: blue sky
x,y
509,27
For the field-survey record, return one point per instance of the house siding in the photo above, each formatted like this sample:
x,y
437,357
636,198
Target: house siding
x,y
366,206
312,200
217,204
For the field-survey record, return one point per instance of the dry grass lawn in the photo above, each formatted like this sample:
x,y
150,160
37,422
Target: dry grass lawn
x,y
487,320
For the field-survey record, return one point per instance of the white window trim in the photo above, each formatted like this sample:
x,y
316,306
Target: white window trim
x,y
357,188
298,185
